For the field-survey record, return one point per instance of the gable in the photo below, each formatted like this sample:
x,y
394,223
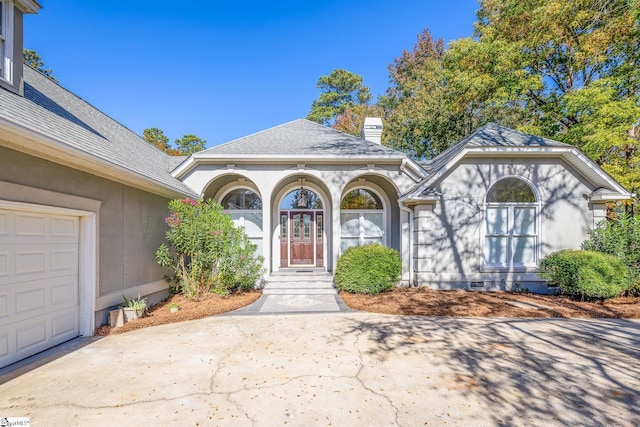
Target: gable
x,y
504,145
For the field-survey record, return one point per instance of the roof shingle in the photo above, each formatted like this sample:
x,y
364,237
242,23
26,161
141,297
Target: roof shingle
x,y
49,109
303,138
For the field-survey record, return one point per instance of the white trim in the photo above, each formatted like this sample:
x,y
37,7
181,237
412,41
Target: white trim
x,y
373,188
202,158
572,155
284,192
88,256
403,208
28,6
48,148
511,205
6,72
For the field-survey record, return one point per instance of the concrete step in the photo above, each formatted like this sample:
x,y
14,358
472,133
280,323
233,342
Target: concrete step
x,y
300,278
302,284
299,291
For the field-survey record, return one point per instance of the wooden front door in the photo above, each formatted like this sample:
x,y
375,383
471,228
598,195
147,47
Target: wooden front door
x,y
301,238
302,235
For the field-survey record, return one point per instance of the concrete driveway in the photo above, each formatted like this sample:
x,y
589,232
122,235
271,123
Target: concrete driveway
x,y
345,369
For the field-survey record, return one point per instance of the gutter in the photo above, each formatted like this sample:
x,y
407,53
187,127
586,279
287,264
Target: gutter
x,y
58,152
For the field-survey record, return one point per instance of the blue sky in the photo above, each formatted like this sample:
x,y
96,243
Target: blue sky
x,y
225,69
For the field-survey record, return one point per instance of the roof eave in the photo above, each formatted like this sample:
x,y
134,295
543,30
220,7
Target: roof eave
x,y
28,6
206,158
568,153
54,150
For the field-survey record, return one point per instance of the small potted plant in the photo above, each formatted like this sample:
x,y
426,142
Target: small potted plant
x,y
133,307
174,307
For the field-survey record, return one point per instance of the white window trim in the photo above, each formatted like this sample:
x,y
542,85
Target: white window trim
x,y
6,38
361,212
511,266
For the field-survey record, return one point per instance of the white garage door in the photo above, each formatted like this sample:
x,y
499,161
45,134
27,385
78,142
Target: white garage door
x,y
39,302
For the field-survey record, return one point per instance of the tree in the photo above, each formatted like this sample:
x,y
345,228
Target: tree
x,y
34,60
341,90
157,137
190,144
418,120
351,120
573,68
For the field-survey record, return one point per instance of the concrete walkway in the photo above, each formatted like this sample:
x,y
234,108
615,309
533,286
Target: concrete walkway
x,y
297,294
340,369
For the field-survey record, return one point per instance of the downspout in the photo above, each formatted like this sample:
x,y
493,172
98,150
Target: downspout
x,y
411,260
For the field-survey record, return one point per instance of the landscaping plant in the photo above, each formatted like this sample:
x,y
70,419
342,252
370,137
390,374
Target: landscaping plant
x,y
620,237
206,251
585,274
368,269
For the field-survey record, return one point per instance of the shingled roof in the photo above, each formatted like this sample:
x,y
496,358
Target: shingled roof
x,y
49,110
490,135
302,138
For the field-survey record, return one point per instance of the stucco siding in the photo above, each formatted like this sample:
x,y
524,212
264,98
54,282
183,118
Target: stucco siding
x,y
130,221
330,181
450,239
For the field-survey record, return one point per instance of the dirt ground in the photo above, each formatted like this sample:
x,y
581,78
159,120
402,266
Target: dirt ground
x,y
208,305
414,302
427,302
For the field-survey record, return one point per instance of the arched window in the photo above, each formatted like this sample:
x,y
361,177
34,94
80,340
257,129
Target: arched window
x,y
361,219
511,225
245,207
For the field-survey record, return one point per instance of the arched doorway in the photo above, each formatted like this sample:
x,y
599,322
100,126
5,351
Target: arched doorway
x,y
302,236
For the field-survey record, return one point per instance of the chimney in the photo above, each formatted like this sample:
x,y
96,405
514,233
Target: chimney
x,y
372,129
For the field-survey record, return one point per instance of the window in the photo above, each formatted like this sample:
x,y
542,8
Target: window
x,y
245,208
511,225
361,219
6,45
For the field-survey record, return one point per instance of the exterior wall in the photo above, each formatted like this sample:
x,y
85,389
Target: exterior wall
x,y
331,182
130,222
449,234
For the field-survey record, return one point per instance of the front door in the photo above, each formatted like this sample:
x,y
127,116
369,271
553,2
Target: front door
x,y
301,238
302,234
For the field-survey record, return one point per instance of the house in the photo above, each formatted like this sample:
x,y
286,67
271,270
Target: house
x,y
83,201
481,215
82,207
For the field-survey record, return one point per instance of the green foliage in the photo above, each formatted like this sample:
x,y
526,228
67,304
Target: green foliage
x,y
562,69
619,237
186,145
419,121
585,274
157,137
368,269
190,144
341,90
573,66
34,60
207,252
139,305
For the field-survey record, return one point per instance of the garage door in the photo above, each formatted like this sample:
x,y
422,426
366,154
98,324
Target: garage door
x,y
39,302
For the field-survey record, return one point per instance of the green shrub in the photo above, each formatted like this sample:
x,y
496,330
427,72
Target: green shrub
x,y
585,274
368,269
207,252
619,237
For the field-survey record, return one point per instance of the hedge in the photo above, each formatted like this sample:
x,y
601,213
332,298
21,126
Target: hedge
x,y
585,274
368,269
